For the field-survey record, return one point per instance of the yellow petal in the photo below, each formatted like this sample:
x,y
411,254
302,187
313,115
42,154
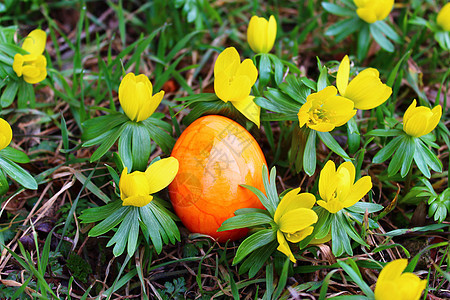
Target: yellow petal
x,y
296,220
339,110
133,184
41,75
435,118
322,127
127,96
272,33
137,201
5,134
18,64
388,276
249,109
410,286
283,246
252,33
228,61
443,17
348,165
333,206
358,190
299,235
34,43
327,181
161,173
409,111
383,8
367,14
247,68
292,200
342,75
367,91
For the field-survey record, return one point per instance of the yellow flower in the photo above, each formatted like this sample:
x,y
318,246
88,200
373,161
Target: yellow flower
x,y
135,97
323,111
233,82
294,218
393,285
32,66
5,134
443,17
421,120
136,188
261,34
366,90
373,10
337,188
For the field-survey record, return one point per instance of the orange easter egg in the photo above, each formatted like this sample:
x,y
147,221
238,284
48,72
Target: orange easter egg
x,y
216,155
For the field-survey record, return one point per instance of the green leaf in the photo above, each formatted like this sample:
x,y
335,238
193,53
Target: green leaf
x,y
278,69
107,143
264,70
337,10
384,132
295,88
99,125
253,242
25,95
387,151
408,155
282,281
157,130
339,238
254,262
15,155
346,224
379,37
430,158
322,81
124,147
134,231
4,187
428,228
96,214
110,222
264,200
356,277
18,173
331,143
361,207
421,160
152,224
343,28
394,72
309,157
363,41
120,238
166,222
244,221
9,93
92,187
140,147
388,31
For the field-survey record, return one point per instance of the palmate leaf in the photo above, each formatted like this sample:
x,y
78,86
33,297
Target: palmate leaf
x,y
159,133
244,221
253,242
340,240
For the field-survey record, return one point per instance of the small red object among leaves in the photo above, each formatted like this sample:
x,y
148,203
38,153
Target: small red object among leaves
x,y
216,155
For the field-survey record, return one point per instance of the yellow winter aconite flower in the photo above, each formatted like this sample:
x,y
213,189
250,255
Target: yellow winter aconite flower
x,y
136,188
366,90
393,285
233,82
338,189
294,218
136,99
33,65
443,17
323,111
5,134
261,34
421,120
373,10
